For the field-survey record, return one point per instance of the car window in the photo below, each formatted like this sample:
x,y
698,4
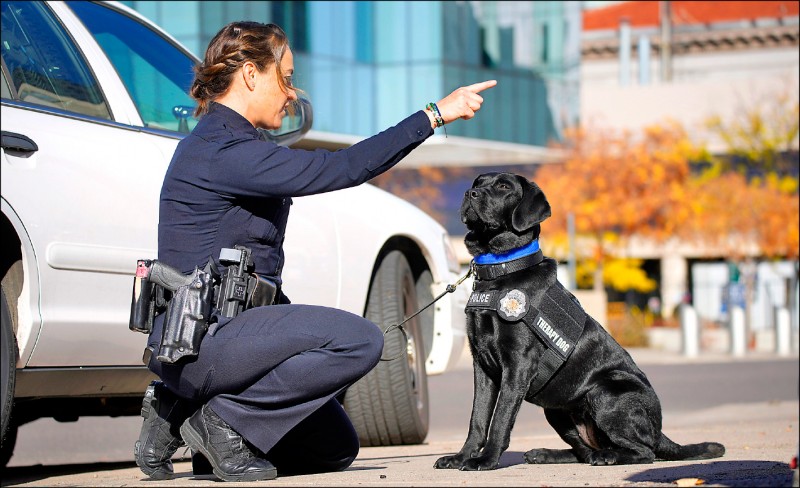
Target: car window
x,y
44,64
157,74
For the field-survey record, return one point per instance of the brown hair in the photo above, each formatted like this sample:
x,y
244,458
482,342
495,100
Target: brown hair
x,y
231,47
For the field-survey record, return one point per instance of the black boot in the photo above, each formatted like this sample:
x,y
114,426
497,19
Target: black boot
x,y
230,456
160,437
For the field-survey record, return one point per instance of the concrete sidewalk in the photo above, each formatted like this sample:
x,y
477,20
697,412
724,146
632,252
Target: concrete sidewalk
x,y
760,439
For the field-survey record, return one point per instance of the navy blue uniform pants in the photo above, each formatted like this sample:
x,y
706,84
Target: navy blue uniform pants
x,y
273,373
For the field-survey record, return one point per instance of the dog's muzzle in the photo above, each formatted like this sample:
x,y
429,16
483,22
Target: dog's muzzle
x,y
468,213
471,211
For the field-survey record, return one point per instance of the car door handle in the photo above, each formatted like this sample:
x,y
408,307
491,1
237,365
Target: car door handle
x,y
17,142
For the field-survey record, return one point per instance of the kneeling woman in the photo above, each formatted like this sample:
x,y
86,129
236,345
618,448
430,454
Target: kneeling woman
x,y
261,395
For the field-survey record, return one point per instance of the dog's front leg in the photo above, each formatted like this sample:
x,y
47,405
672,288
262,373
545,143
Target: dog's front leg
x,y
512,393
483,402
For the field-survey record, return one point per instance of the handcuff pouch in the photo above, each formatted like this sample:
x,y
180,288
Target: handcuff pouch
x,y
264,291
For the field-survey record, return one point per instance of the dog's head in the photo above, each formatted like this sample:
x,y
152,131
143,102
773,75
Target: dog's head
x,y
502,211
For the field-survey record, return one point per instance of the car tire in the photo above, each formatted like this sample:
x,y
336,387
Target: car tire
x,y
389,406
7,376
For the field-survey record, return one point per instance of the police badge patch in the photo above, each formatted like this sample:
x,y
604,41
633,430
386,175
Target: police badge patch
x,y
513,306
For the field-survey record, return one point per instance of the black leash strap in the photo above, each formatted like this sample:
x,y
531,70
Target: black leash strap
x,y
449,289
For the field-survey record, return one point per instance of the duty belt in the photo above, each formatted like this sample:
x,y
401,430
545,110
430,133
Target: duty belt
x,y
558,323
190,300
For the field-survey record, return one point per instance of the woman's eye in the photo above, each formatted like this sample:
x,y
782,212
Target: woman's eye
x,y
288,81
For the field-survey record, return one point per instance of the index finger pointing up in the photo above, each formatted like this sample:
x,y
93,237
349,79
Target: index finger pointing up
x,y
479,87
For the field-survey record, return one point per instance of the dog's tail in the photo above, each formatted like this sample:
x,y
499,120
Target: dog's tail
x,y
670,451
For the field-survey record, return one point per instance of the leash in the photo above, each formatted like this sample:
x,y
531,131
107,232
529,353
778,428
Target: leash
x,y
449,289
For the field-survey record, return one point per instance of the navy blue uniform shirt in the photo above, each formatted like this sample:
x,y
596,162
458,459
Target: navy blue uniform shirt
x,y
226,186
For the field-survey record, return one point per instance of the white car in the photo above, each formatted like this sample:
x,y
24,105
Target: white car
x,y
94,101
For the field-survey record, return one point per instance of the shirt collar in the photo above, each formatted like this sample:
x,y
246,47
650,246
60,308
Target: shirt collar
x,y
232,119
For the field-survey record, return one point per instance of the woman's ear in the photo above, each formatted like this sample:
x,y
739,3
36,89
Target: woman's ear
x,y
249,72
532,209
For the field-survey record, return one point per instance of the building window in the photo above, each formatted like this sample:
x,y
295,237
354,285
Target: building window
x,y
292,17
486,58
545,43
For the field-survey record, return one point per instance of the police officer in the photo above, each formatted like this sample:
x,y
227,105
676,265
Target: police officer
x,y
261,395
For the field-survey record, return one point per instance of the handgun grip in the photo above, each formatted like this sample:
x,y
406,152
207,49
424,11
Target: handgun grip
x,y
167,276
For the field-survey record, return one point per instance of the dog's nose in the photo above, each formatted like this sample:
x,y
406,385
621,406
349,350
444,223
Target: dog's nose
x,y
473,193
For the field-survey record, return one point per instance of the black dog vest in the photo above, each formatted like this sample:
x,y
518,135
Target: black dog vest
x,y
558,323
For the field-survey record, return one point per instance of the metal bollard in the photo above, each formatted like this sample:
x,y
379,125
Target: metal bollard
x,y
783,332
738,336
690,331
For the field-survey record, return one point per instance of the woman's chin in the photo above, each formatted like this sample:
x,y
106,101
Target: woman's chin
x,y
272,126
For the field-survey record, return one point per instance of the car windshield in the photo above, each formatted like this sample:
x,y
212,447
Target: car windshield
x,y
156,73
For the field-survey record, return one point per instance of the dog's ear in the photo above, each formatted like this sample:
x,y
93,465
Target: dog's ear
x,y
532,209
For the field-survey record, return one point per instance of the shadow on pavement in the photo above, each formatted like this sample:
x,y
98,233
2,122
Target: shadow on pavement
x,y
725,473
511,458
26,474
405,456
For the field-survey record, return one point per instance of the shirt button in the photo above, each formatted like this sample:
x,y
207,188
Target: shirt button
x,y
419,133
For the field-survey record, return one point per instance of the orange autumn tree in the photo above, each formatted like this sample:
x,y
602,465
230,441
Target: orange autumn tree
x,y
761,133
746,204
743,218
749,199
775,201
746,222
617,186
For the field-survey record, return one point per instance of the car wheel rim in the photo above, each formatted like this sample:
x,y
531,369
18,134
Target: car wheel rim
x,y
409,305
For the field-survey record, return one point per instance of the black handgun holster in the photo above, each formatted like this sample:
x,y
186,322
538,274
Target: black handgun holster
x,y
186,321
189,299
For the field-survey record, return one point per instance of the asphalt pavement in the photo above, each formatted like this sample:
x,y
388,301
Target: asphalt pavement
x,y
760,438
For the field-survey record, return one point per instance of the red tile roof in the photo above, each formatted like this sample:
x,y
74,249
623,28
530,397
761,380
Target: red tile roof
x,y
646,13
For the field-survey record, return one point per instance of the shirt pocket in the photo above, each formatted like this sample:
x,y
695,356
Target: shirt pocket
x,y
262,230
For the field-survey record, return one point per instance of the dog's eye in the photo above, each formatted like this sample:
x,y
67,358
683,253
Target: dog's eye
x,y
503,186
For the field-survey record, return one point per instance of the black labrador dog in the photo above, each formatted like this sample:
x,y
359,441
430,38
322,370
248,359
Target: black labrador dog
x,y
531,340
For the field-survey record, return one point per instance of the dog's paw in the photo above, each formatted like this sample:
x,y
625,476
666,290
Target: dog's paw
x,y
549,456
479,463
538,456
603,457
449,462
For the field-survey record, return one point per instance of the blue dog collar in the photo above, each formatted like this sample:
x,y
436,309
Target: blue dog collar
x,y
517,253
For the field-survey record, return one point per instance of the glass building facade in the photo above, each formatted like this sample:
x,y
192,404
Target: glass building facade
x,y
366,65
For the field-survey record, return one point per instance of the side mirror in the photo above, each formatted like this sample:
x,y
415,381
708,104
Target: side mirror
x,y
293,127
